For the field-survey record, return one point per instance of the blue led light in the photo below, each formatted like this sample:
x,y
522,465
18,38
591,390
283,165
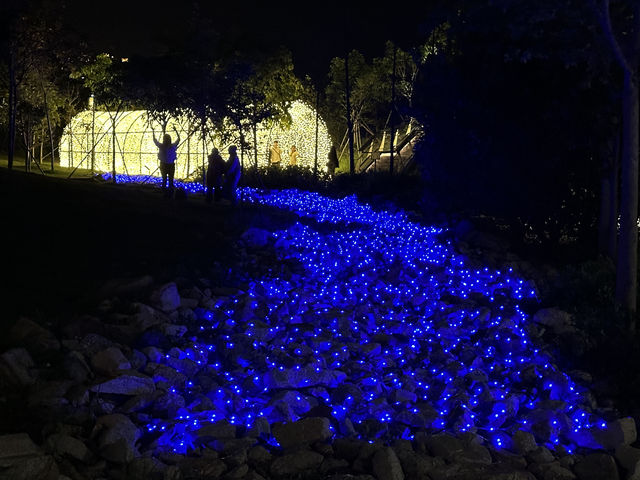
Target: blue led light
x,y
384,305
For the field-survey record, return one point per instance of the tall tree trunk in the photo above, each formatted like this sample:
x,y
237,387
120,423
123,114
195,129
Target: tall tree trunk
x,y
628,58
254,128
347,89
46,109
393,111
608,218
113,144
627,264
12,106
315,156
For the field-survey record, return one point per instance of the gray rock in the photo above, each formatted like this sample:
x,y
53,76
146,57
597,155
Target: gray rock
x,y
220,429
43,467
303,432
166,297
65,445
202,467
333,465
256,237
444,445
116,438
474,454
259,455
629,458
39,340
76,367
296,463
540,455
615,433
110,361
597,466
238,472
551,471
130,383
17,445
558,320
16,368
386,465
149,468
523,442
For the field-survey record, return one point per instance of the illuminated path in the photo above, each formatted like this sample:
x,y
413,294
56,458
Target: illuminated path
x,y
382,327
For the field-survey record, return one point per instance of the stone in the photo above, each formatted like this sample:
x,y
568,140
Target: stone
x,y
37,339
149,468
16,367
43,467
302,432
615,433
558,320
540,455
17,445
551,471
116,438
259,455
110,361
66,445
597,466
166,297
130,383
296,463
444,445
629,458
220,429
523,442
386,465
256,237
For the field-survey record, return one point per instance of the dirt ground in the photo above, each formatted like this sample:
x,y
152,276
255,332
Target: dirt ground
x,y
62,240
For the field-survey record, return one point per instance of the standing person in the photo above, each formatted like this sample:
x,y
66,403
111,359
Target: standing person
x,y
275,155
215,172
167,154
333,162
232,175
293,155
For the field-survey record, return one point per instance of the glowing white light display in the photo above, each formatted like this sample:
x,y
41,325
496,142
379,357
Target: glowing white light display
x,y
87,141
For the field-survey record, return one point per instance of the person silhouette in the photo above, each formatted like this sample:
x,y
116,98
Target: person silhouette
x,y
293,155
232,175
215,173
167,154
275,154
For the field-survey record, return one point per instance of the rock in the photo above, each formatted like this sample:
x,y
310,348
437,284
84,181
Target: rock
x,y
76,368
615,433
255,237
166,298
259,456
65,445
386,465
149,468
444,445
116,438
17,445
42,467
597,466
221,429
523,442
202,467
540,455
22,459
332,465
303,432
558,320
629,458
552,471
297,463
37,339
474,454
109,361
130,383
16,368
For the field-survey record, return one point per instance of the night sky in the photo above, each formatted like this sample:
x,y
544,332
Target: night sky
x,y
315,33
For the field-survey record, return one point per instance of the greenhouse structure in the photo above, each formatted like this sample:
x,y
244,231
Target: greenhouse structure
x,y
88,142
